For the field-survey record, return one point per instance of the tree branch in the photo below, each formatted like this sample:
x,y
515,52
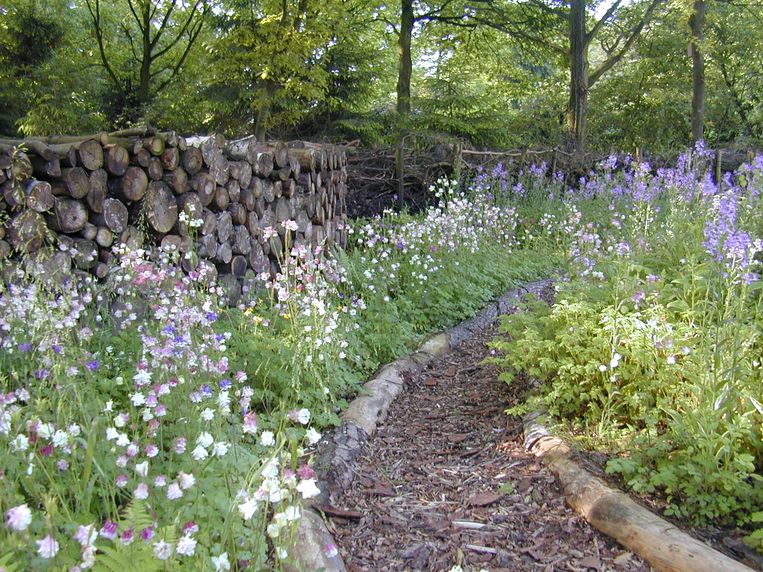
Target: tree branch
x,y
610,62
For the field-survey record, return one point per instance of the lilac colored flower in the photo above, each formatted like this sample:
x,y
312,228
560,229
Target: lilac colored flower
x,y
147,534
225,384
42,373
93,365
25,347
174,491
47,547
18,518
121,480
57,349
179,445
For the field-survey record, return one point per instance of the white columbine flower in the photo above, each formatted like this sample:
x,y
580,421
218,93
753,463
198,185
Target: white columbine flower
x,y
312,436
47,547
204,439
308,489
267,438
248,508
220,448
186,546
163,550
199,453
221,563
207,414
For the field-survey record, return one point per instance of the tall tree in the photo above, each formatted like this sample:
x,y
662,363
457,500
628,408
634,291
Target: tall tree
x,y
696,49
144,44
533,21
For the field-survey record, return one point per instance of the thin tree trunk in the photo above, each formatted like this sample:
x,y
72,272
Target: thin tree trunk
x,y
577,118
737,99
405,69
697,25
263,113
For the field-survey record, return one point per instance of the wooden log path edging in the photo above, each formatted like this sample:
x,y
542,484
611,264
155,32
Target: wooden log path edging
x,y
664,546
339,450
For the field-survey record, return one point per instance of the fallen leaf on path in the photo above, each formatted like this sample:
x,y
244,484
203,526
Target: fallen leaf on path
x,y
591,562
340,512
430,382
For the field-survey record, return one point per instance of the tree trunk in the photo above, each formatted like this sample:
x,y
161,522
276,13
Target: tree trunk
x,y
405,68
697,25
577,117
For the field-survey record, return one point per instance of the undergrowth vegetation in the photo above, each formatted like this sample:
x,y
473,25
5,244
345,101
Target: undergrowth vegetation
x,y
652,348
144,424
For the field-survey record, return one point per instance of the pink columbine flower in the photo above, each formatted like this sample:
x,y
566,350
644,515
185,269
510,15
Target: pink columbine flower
x,y
147,533
160,481
180,445
18,518
47,547
305,472
127,536
109,530
190,527
330,550
121,480
250,423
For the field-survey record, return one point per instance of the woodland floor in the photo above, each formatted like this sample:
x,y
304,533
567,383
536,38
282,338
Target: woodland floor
x,y
447,481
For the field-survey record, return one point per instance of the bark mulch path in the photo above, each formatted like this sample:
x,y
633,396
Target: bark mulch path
x,y
447,481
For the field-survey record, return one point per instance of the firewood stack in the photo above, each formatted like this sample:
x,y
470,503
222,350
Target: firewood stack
x,y
67,201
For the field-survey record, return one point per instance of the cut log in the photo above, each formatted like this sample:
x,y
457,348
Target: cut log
x,y
154,145
238,213
209,224
246,199
239,265
282,210
77,182
104,237
224,253
222,199
268,191
155,169
177,180
132,186
192,160
224,227
664,546
161,207
5,249
141,158
70,215
97,190
39,196
170,158
115,216
220,169
208,246
234,190
90,154
241,240
116,159
263,164
281,155
46,167
89,231
242,149
258,187
288,188
205,186
27,232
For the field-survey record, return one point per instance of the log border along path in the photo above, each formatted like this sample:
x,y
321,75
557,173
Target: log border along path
x,y
665,547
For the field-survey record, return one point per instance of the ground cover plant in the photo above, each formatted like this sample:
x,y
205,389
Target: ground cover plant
x,y
652,349
144,424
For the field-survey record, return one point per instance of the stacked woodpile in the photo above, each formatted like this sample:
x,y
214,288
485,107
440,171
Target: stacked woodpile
x,y
67,201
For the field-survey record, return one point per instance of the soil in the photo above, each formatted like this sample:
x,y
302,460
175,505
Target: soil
x,y
446,481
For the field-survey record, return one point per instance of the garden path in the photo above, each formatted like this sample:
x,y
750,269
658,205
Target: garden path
x,y
447,481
